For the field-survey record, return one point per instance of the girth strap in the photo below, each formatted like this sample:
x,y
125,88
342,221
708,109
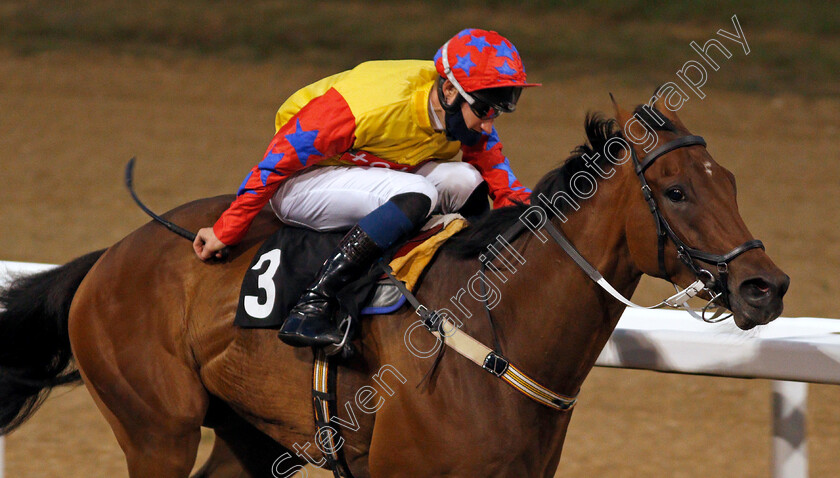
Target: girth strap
x,y
324,404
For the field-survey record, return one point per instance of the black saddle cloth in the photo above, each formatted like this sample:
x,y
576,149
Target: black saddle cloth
x,y
284,266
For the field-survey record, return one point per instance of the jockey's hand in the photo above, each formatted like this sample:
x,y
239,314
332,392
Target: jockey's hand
x,y
207,245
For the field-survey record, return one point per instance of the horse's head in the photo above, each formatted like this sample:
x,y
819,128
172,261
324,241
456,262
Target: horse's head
x,y
693,203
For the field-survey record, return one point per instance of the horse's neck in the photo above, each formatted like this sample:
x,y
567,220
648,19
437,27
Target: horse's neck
x,y
553,319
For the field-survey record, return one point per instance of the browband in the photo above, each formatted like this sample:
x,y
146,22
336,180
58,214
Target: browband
x,y
680,142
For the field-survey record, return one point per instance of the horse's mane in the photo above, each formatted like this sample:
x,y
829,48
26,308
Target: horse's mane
x,y
599,130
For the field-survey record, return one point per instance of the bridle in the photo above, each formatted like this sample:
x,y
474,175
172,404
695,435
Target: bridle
x,y
717,287
688,255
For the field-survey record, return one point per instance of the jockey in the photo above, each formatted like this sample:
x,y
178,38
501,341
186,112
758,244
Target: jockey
x,y
369,149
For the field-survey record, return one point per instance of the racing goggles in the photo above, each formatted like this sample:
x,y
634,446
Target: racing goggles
x,y
489,103
484,111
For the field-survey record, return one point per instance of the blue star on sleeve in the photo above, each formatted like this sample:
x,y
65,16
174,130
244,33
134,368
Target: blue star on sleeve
x,y
266,168
304,143
242,187
268,164
492,140
505,166
464,63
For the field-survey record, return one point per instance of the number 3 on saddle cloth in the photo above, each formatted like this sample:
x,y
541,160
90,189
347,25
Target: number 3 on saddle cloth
x,y
289,260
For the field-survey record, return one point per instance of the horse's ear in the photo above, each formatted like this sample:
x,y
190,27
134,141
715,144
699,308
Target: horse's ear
x,y
662,109
623,117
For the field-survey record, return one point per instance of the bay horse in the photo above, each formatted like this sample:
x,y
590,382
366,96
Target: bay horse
x,y
149,328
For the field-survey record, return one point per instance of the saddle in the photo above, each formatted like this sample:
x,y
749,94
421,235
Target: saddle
x,y
288,261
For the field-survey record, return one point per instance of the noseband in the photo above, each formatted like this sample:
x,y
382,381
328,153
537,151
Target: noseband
x,y
687,254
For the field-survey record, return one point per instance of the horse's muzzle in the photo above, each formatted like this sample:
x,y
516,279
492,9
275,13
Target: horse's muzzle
x,y
757,300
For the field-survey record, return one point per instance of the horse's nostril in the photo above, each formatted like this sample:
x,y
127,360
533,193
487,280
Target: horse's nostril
x,y
757,291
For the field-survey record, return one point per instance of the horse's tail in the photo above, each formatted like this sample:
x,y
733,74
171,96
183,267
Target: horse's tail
x,y
35,353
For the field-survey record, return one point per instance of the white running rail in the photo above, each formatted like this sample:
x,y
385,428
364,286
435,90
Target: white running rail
x,y
790,351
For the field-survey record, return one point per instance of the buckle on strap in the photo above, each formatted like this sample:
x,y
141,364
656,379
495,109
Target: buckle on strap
x,y
496,364
431,318
564,404
681,297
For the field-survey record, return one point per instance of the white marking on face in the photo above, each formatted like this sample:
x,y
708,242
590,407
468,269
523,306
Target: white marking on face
x,y
708,167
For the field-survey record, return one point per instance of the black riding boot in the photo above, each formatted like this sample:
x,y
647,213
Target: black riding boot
x,y
311,321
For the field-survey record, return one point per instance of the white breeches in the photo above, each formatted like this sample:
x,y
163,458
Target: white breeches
x,y
336,197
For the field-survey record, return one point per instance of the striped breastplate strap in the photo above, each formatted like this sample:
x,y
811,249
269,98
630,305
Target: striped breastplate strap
x,y
483,356
486,358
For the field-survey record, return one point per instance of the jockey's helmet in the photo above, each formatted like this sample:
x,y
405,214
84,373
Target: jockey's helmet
x,y
486,70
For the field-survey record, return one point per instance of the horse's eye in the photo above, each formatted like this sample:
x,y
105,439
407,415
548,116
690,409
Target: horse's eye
x,y
675,194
